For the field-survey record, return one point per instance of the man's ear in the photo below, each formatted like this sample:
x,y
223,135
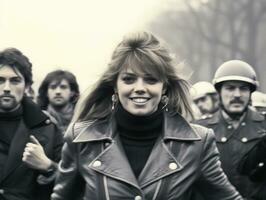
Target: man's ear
x,y
27,87
72,93
27,90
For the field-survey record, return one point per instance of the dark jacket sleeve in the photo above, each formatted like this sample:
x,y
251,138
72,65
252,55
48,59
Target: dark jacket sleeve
x,y
52,142
253,164
213,183
68,185
55,156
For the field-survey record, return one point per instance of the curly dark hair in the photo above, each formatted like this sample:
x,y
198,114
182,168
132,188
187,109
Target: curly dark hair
x,y
15,59
58,76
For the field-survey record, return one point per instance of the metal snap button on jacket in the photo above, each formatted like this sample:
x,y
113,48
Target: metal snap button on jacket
x,y
97,163
261,164
223,139
244,139
173,166
138,197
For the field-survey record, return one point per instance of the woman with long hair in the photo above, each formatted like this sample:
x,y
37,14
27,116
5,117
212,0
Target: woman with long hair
x,y
128,139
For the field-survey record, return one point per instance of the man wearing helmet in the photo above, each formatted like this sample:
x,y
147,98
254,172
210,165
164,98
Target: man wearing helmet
x,y
258,101
205,98
237,127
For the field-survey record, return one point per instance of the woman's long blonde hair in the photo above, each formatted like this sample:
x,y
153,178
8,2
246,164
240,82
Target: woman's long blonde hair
x,y
142,52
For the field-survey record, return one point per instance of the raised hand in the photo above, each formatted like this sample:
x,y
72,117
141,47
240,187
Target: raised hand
x,y
34,155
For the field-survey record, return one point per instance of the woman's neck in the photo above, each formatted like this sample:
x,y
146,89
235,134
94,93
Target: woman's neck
x,y
139,126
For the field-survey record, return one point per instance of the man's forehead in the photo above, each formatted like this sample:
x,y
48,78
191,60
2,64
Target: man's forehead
x,y
8,71
59,82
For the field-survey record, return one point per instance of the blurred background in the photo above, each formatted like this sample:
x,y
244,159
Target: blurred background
x,y
80,35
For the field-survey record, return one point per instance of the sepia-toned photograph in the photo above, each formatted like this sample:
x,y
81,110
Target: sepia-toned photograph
x,y
133,100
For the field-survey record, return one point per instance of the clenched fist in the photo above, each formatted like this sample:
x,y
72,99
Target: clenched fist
x,y
34,155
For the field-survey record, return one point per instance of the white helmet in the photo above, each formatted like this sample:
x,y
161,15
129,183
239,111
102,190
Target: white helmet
x,y
201,89
258,99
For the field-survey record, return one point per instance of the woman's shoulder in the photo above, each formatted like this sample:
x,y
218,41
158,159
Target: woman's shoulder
x,y
202,131
75,128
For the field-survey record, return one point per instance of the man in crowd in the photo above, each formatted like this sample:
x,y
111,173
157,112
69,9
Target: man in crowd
x,y
253,164
205,98
258,101
30,144
237,127
58,94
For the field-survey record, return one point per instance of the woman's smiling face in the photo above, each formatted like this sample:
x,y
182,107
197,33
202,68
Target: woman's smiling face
x,y
139,94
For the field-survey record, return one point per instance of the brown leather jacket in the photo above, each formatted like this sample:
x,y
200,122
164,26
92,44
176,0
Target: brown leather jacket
x,y
94,164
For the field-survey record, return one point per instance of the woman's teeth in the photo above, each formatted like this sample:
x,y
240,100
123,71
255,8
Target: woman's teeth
x,y
140,100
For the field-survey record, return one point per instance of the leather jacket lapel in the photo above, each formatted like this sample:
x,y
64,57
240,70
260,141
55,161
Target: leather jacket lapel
x,y
163,160
160,163
114,163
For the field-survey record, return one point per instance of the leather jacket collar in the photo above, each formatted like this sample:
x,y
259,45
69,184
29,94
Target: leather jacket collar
x,y
175,128
32,114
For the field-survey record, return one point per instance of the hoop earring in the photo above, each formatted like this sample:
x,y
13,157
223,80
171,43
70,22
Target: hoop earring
x,y
164,101
114,100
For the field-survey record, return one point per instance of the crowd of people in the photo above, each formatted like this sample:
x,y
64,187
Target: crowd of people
x,y
143,132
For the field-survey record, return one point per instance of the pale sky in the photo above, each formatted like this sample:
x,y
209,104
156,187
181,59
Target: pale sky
x,y
76,35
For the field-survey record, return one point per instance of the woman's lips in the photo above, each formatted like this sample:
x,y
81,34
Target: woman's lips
x,y
140,100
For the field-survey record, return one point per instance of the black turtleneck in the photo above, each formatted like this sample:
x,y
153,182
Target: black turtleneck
x,y
8,124
138,135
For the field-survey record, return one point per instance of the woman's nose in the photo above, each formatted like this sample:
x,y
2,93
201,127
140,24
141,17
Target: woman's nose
x,y
139,86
